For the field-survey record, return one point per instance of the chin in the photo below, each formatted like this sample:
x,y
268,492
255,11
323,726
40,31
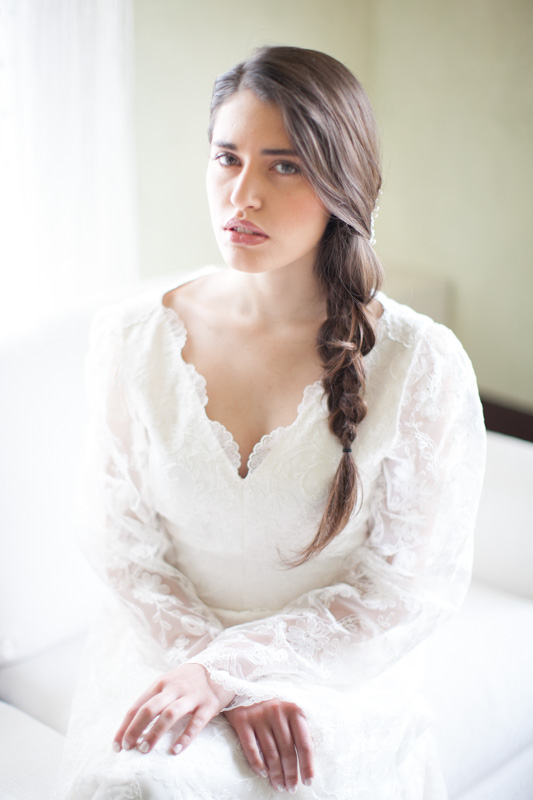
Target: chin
x,y
244,261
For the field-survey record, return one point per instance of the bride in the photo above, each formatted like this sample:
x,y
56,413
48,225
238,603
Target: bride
x,y
283,470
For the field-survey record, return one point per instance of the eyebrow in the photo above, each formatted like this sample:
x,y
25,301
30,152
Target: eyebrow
x,y
265,152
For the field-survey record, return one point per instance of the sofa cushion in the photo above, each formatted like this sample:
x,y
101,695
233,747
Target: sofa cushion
x,y
45,587
47,591
29,756
43,686
512,781
504,546
478,680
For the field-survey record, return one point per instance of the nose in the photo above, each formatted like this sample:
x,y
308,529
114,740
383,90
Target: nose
x,y
246,191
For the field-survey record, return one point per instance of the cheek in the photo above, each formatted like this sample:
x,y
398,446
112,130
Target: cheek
x,y
311,216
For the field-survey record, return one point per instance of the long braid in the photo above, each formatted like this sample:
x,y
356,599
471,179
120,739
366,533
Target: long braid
x,y
344,339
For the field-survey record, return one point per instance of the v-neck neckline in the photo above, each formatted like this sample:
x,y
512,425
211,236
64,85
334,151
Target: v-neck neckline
x,y
221,433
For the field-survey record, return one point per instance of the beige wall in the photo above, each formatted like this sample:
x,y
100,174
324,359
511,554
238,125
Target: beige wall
x,y
450,83
452,87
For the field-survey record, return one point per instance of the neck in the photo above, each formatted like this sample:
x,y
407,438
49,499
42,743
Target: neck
x,y
287,295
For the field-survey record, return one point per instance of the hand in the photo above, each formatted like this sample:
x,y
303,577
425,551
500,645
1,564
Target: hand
x,y
188,689
280,729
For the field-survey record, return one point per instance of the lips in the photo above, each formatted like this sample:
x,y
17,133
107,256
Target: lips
x,y
243,232
243,226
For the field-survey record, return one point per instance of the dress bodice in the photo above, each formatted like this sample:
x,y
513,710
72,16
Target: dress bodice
x,y
233,536
203,555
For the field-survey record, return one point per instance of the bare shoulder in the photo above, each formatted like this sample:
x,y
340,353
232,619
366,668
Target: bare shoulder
x,y
200,296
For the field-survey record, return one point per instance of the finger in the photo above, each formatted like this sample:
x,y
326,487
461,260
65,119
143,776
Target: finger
x,y
250,747
304,747
173,711
287,753
196,724
137,719
270,752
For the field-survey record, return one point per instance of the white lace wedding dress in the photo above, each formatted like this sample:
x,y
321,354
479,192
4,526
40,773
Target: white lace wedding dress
x,y
196,558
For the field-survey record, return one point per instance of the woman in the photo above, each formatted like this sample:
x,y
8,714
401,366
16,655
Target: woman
x,y
282,481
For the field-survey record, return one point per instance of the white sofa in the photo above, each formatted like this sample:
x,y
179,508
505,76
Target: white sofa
x,y
480,664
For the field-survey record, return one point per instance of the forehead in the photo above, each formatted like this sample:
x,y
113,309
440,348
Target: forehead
x,y
245,119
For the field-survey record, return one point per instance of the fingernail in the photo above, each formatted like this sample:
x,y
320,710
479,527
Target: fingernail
x,y
280,788
308,782
126,746
178,749
292,790
264,773
144,747
116,747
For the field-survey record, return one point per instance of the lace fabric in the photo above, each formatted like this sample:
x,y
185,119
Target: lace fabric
x,y
195,556
225,437
413,568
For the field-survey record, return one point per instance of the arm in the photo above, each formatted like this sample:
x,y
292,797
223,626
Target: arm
x,y
122,535
125,540
414,568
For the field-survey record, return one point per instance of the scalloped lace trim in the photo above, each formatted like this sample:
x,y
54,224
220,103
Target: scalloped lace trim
x,y
311,392
267,442
246,692
198,382
226,440
223,435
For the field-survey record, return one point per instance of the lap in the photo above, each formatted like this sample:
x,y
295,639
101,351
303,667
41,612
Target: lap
x,y
369,743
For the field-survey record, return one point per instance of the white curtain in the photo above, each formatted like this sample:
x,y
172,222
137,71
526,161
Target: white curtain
x,y
68,210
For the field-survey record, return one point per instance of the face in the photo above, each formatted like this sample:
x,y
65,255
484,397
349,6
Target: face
x,y
265,213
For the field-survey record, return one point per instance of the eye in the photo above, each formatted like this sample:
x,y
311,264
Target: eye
x,y
226,159
287,168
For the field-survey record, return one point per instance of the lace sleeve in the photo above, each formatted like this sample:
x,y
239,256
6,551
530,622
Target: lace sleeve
x,y
120,533
415,566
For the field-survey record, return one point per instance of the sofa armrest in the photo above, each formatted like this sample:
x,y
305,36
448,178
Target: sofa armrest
x,y
504,528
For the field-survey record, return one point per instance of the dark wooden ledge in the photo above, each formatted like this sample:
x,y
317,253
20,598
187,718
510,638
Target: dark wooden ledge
x,y
511,421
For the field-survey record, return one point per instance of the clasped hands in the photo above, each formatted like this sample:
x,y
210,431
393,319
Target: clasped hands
x,y
274,734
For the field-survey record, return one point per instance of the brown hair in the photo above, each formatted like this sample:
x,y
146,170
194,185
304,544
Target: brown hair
x,y
329,121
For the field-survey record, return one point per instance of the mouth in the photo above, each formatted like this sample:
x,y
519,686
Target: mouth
x,y
243,226
243,232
